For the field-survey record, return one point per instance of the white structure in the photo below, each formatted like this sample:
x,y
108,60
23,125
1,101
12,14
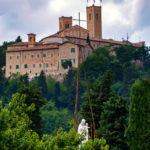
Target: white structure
x,y
83,129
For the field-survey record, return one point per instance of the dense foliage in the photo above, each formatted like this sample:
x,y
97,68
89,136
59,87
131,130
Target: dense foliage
x,y
15,131
110,113
44,105
138,132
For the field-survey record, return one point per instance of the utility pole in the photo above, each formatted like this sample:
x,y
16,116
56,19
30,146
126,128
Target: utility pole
x,y
77,87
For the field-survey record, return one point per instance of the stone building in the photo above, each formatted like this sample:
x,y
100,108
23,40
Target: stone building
x,y
68,44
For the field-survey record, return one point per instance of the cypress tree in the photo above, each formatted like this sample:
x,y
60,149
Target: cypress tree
x,y
42,83
138,132
113,122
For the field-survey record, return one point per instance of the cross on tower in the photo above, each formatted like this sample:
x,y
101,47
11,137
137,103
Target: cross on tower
x,y
79,19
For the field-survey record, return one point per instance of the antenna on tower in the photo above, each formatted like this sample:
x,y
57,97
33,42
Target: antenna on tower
x,y
94,2
101,2
87,2
127,37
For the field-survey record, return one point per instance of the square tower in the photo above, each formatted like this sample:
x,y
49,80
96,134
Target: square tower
x,y
31,39
94,21
65,22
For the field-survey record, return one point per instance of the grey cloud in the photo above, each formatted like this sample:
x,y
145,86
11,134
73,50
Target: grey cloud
x,y
23,16
145,14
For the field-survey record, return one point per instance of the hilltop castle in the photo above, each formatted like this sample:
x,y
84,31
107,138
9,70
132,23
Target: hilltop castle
x,y
48,54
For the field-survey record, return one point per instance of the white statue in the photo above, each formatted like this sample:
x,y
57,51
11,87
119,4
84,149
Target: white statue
x,y
83,128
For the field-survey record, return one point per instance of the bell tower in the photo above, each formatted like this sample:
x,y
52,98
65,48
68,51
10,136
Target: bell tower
x,y
65,22
94,21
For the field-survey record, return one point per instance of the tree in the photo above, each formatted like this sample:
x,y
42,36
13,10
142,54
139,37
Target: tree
x,y
24,79
67,64
57,93
16,134
42,83
33,96
18,39
113,122
14,123
3,82
138,131
54,118
100,92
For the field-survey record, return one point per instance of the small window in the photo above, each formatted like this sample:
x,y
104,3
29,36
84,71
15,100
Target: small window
x,y
58,54
25,56
89,16
17,66
58,65
44,55
30,39
10,57
10,67
40,65
97,16
46,65
38,55
17,57
25,66
51,54
33,65
72,50
66,26
73,61
32,56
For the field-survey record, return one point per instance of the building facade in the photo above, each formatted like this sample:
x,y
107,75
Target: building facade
x,y
70,43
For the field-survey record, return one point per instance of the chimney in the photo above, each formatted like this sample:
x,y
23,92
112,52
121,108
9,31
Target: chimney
x,y
31,39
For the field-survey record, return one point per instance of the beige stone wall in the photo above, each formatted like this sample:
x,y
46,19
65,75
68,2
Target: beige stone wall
x,y
53,59
65,53
25,57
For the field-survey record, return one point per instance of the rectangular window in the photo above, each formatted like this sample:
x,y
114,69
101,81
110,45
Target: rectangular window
x,y
10,57
89,16
51,54
72,50
58,54
10,67
32,56
44,55
25,56
25,66
40,65
17,66
33,65
73,61
17,57
46,65
58,65
38,55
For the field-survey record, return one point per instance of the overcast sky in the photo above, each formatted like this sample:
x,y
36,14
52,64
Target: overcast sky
x,y
19,17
